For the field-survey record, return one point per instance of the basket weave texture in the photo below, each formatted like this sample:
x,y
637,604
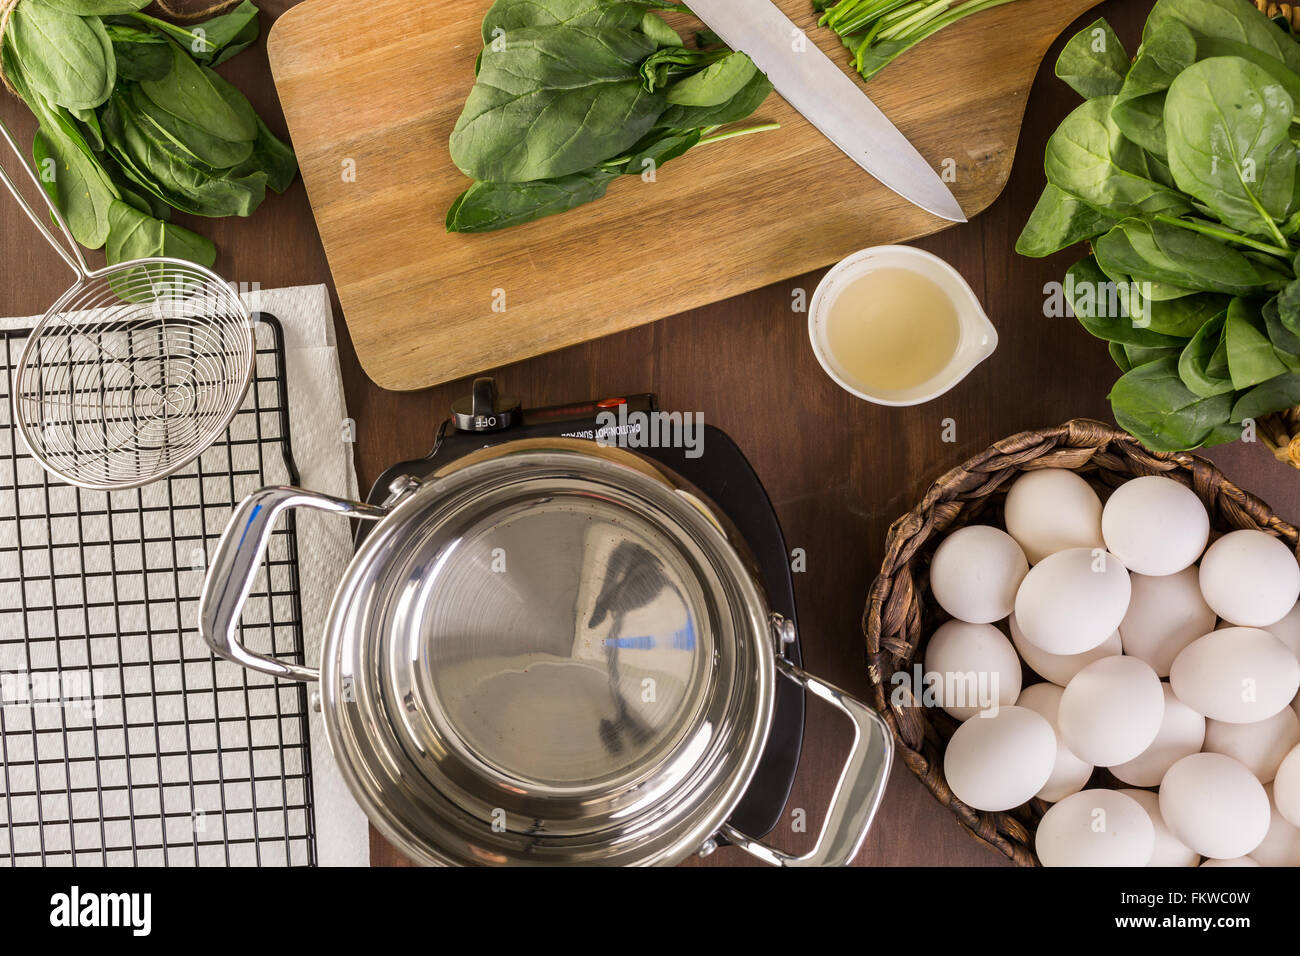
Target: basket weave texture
x,y
901,614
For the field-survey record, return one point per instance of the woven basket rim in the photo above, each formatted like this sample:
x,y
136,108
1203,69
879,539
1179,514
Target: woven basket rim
x,y
898,599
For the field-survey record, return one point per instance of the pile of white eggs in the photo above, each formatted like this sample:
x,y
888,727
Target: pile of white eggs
x,y
1105,604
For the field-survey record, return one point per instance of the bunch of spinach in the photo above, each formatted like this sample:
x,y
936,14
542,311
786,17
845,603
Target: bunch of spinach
x,y
572,94
877,31
134,122
1180,170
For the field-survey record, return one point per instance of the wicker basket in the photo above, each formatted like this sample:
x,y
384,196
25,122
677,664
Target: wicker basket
x,y
901,615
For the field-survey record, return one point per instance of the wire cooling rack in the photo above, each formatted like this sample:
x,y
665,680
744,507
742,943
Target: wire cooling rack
x,y
123,741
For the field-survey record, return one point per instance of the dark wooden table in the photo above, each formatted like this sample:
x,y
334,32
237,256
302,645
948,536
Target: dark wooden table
x,y
838,469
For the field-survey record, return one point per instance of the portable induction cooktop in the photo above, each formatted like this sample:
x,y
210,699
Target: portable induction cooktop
x,y
717,468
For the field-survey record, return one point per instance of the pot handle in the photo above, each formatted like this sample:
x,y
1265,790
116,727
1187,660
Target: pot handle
x,y
234,565
858,792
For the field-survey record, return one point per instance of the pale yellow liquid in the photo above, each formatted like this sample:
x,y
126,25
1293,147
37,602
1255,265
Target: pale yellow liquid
x,y
891,330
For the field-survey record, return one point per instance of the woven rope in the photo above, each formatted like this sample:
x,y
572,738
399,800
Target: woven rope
x,y
1288,12
900,614
7,8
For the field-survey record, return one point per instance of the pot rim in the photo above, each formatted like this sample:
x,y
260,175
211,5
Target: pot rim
x,y
712,790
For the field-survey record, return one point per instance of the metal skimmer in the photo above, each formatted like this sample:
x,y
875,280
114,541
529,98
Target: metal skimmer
x,y
135,370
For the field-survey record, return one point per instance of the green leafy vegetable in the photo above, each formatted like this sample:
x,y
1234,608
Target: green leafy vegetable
x,y
876,32
133,122
67,59
570,95
1181,170
1093,62
1151,402
1226,124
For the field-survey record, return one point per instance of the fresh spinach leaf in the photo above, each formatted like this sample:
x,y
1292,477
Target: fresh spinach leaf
x,y
1275,395
1089,158
140,54
1139,107
1093,61
488,206
1152,403
1059,220
653,26
135,234
715,85
78,187
1157,252
196,142
97,8
194,93
553,102
749,98
219,38
1251,358
66,58
1103,307
507,15
1203,364
1138,355
271,156
1227,122
1237,20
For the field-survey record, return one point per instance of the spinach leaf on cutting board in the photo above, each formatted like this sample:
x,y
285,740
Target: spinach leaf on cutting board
x,y
570,95
554,102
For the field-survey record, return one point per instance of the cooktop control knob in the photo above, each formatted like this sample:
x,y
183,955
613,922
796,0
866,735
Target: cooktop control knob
x,y
485,410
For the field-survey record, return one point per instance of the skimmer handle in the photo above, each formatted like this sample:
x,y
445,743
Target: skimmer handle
x,y
70,251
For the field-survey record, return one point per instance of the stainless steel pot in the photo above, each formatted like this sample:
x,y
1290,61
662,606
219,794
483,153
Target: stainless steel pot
x,y
548,652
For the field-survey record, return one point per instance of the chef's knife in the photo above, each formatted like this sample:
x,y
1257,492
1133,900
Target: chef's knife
x,y
828,98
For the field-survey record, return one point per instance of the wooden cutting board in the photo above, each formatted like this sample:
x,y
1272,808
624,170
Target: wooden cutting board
x,y
372,90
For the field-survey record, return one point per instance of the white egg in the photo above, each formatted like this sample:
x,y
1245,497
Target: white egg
x,y
1260,746
1059,668
975,573
1111,710
999,762
1286,787
1238,674
1214,805
1169,850
1250,578
973,666
1072,601
1095,828
1050,510
1069,774
1235,861
1281,844
1182,732
1287,630
1155,525
1165,614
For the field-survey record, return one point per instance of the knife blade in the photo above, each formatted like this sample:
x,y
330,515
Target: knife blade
x,y
828,98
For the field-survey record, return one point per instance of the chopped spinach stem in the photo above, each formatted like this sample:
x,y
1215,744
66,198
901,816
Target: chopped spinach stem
x,y
877,31
1227,235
